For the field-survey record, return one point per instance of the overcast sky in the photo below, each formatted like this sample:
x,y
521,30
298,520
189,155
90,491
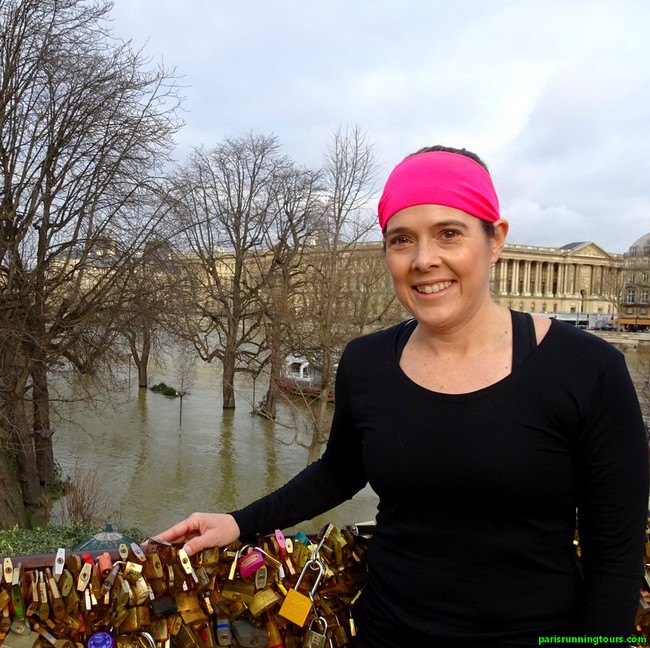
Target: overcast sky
x,y
553,94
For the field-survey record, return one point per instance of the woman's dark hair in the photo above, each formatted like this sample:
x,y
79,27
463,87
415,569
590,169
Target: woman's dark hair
x,y
488,227
451,149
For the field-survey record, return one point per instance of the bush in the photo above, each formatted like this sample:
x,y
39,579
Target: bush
x,y
165,390
24,542
46,540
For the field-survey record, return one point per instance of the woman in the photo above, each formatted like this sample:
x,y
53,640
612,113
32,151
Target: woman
x,y
482,431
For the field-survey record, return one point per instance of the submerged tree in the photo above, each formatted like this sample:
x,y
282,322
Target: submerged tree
x,y
84,122
229,201
326,315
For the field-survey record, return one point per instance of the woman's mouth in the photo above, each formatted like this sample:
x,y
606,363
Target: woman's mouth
x,y
428,289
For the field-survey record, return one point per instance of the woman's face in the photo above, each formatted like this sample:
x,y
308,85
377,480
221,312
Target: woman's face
x,y
439,259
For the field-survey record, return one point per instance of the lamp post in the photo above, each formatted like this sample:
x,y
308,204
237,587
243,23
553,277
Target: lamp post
x,y
181,393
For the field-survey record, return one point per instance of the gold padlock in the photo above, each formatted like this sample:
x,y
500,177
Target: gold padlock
x,y
238,590
296,605
136,617
189,608
263,600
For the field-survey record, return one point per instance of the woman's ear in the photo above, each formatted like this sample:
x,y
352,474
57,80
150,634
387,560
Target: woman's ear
x,y
498,240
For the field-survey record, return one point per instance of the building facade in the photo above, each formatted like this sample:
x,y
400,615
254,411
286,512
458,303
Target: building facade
x,y
576,278
635,307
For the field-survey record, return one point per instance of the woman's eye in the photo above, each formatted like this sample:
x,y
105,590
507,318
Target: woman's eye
x,y
449,234
398,240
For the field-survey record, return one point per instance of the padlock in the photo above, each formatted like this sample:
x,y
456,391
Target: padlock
x,y
65,582
250,563
263,600
238,590
190,609
313,638
247,635
296,605
273,634
224,634
43,601
56,600
17,592
136,617
187,638
20,636
101,639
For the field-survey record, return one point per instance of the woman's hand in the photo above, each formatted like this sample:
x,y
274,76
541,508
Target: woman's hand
x,y
202,530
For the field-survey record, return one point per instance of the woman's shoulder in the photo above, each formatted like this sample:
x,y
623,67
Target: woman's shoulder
x,y
378,341
577,343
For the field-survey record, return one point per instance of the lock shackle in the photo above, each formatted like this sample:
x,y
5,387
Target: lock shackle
x,y
310,565
321,621
148,638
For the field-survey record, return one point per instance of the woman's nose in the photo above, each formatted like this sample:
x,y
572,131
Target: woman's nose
x,y
426,256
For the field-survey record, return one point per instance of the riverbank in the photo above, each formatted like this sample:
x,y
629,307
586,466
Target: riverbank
x,y
626,341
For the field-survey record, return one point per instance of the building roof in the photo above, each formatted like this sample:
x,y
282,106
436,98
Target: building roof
x,y
639,247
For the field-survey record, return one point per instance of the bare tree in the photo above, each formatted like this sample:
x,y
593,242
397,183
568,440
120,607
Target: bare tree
x,y
325,308
85,124
613,288
226,200
300,214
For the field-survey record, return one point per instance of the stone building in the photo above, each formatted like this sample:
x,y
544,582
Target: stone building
x,y
636,285
573,279
579,281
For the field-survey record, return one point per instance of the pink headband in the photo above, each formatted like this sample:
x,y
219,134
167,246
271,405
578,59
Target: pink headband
x,y
439,178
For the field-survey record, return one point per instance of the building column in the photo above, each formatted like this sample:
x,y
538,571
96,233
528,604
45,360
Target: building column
x,y
515,278
526,285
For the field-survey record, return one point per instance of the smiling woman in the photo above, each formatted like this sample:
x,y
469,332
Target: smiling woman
x,y
483,432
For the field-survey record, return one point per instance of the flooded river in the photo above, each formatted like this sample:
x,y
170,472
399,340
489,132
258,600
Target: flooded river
x,y
156,468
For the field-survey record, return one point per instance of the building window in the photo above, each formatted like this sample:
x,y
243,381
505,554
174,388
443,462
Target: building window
x,y
644,296
643,311
629,311
629,297
646,250
633,250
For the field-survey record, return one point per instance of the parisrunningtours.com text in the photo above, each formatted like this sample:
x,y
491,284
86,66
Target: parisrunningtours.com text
x,y
593,641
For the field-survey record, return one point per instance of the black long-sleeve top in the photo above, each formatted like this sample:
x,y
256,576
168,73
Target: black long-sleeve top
x,y
478,494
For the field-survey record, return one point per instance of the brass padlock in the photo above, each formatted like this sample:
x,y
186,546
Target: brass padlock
x,y
313,638
296,605
263,600
136,617
238,590
189,608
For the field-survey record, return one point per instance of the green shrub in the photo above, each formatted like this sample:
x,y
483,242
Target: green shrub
x,y
46,540
165,390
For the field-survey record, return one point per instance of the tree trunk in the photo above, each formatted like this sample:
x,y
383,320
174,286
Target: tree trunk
x,y
141,359
321,423
228,386
12,508
143,365
25,454
270,406
42,430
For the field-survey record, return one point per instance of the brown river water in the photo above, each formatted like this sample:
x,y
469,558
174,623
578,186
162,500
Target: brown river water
x,y
157,466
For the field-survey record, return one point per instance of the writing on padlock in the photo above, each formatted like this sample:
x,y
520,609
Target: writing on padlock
x,y
296,605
